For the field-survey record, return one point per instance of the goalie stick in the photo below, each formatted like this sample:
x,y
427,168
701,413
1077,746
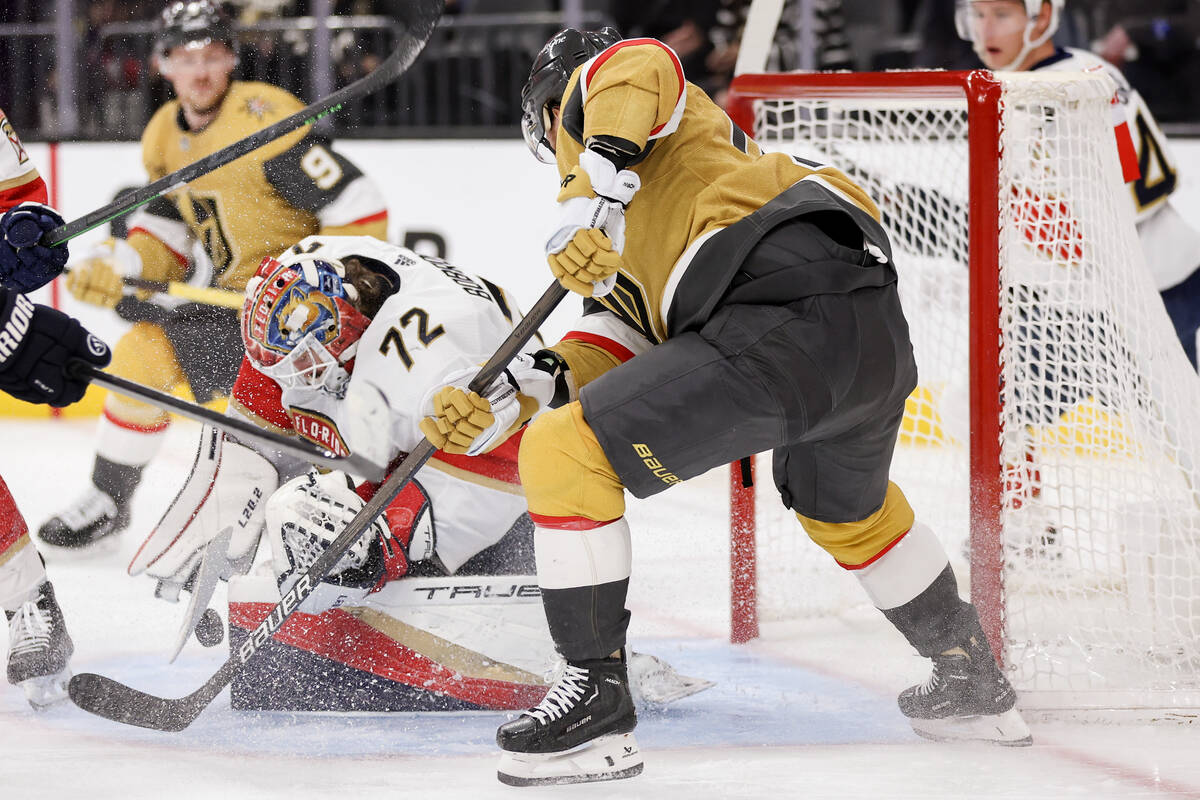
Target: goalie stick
x,y
108,698
241,428
418,18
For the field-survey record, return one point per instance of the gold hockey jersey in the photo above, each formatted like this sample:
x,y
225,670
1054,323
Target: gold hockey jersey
x,y
254,206
700,173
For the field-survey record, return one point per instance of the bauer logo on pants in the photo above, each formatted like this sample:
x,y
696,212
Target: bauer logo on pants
x,y
654,465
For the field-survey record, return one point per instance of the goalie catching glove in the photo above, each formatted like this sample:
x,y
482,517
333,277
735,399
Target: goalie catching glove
x,y
460,421
307,513
227,489
585,251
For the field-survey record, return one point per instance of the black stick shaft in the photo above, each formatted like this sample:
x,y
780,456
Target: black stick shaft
x,y
244,430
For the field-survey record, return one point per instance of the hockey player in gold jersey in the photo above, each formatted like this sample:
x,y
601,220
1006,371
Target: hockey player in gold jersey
x,y
212,232
736,302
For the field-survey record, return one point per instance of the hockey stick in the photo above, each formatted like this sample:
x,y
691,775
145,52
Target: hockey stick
x,y
206,295
120,703
418,18
241,428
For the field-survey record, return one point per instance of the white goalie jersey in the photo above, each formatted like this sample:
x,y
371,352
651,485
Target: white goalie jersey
x,y
1171,245
441,319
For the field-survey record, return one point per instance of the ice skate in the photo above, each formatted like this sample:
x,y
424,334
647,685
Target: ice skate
x,y
39,649
966,699
581,732
93,517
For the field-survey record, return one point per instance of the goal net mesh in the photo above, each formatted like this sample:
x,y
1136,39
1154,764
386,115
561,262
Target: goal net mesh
x,y
1099,411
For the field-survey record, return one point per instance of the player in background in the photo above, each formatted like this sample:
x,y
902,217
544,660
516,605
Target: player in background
x,y
35,344
228,220
1016,35
736,302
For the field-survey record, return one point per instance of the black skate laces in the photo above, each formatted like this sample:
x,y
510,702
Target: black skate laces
x,y
563,696
29,630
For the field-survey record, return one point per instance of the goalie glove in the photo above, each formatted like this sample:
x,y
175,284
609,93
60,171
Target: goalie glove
x,y
227,489
584,252
307,513
460,421
98,279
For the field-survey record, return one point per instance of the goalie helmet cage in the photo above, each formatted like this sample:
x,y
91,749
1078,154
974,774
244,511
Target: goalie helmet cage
x,y
1052,440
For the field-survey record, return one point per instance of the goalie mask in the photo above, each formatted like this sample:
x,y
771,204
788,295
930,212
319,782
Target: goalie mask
x,y
299,324
552,69
967,19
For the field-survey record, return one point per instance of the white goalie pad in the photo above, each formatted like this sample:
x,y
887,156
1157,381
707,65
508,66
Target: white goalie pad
x,y
226,490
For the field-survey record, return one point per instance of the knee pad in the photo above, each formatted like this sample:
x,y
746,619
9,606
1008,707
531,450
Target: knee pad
x,y
856,544
146,356
564,470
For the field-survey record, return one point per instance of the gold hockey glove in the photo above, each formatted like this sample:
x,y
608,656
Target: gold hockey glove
x,y
584,252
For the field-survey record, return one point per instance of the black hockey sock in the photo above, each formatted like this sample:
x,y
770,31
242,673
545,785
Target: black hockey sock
x,y
937,619
118,481
587,623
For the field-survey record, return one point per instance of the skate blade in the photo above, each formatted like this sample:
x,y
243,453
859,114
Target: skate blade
x,y
1007,729
46,690
607,758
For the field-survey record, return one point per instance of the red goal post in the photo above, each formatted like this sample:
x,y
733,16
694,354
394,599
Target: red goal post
x,y
981,93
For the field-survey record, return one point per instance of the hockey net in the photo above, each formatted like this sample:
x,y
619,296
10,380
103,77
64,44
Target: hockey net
x,y
1053,439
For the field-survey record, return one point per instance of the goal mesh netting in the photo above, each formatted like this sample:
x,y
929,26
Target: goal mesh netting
x,y
1053,438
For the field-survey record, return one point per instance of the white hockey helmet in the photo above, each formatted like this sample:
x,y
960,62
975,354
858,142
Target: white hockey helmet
x,y
962,21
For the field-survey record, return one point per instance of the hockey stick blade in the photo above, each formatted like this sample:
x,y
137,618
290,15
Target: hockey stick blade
x,y
418,18
113,700
243,429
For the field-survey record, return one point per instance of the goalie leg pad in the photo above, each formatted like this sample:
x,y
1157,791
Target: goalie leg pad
x,y
227,489
606,758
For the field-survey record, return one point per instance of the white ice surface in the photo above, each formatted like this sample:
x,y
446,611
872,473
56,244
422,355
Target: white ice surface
x,y
806,711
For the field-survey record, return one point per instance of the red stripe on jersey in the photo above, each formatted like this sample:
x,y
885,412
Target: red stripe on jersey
x,y
1130,169
610,52
12,524
875,557
31,191
260,395
157,427
180,257
380,215
569,523
499,464
603,342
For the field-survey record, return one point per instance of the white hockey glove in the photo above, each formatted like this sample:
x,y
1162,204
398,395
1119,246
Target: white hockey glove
x,y
584,252
303,517
460,421
226,490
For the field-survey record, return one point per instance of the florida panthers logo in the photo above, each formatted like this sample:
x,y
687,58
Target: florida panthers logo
x,y
300,313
